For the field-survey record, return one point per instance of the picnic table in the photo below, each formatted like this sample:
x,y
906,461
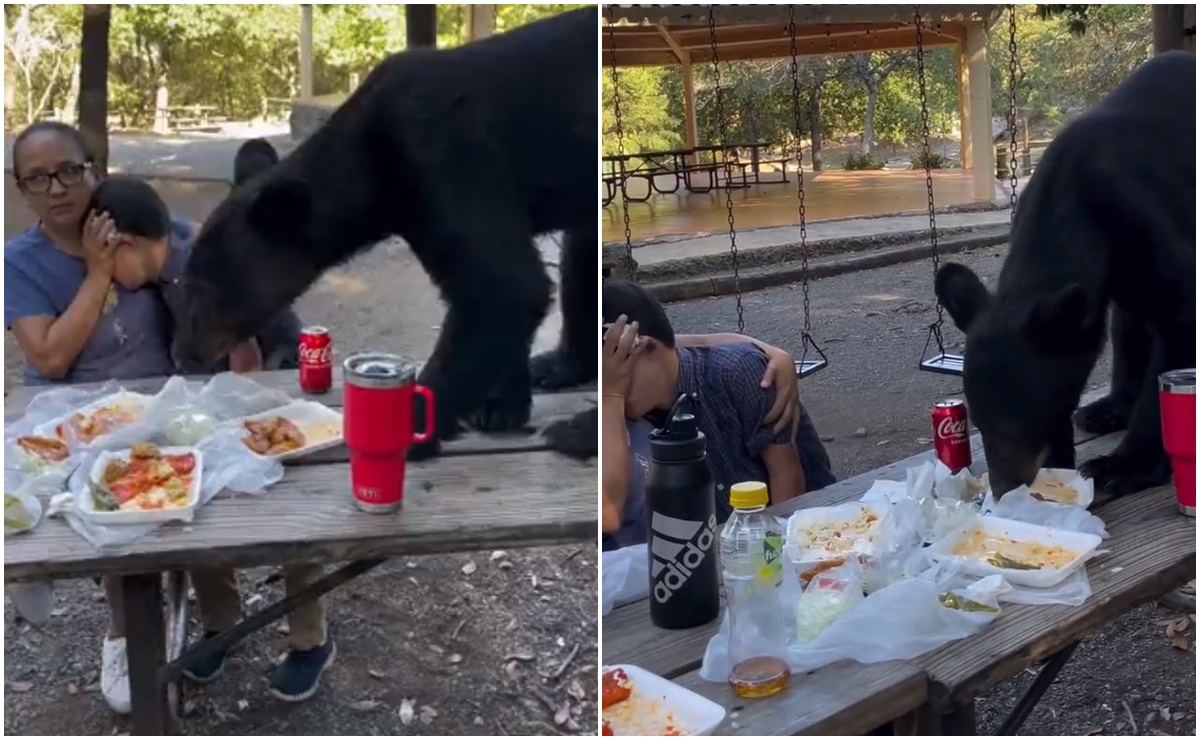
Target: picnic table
x,y
1152,549
485,492
683,166
180,118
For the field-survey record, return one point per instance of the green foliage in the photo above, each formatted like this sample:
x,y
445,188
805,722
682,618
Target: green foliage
x,y
229,56
863,162
645,121
935,161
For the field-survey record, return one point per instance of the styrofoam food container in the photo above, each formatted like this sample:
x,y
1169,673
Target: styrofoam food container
x,y
306,415
181,514
691,713
1084,486
47,429
1082,543
799,551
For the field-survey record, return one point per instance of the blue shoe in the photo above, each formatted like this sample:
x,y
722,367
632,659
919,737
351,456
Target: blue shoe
x,y
209,667
299,676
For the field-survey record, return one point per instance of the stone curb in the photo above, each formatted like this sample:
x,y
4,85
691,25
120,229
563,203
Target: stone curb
x,y
691,288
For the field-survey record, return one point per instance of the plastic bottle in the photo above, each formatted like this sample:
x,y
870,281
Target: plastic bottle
x,y
684,587
751,552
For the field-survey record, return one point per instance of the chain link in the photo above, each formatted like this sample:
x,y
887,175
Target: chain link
x,y
612,45
723,132
933,235
1012,109
799,169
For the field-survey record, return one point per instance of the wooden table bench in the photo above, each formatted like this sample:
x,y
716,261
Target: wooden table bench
x,y
486,492
1152,551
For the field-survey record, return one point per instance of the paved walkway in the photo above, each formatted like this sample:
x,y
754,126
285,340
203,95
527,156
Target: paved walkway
x,y
691,248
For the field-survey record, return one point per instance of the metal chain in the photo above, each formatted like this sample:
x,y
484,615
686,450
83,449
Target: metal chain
x,y
1012,109
612,45
723,132
799,167
933,235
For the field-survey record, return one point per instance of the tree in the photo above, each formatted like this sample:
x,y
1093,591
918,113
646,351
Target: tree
x,y
872,70
422,24
93,81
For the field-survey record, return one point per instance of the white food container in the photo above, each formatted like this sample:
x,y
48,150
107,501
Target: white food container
x,y
181,514
1083,544
47,429
805,555
1065,476
654,698
313,419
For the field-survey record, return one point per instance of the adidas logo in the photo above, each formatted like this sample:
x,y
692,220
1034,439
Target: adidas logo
x,y
677,548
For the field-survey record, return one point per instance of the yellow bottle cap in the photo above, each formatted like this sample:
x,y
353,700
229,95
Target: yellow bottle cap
x,y
748,495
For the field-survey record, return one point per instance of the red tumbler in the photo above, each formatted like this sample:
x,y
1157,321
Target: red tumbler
x,y
377,420
1177,397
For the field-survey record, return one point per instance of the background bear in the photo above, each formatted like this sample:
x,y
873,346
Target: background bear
x,y
1109,217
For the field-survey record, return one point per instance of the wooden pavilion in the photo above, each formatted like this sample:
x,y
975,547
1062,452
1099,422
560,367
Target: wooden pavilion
x,y
668,35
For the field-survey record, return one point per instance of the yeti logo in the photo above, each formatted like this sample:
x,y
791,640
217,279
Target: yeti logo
x,y
677,547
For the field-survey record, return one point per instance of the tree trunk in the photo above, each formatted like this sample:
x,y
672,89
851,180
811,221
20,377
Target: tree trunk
x,y
93,82
814,122
71,106
1167,22
868,142
421,22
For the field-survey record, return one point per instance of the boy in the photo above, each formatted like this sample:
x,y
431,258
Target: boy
x,y
730,408
152,250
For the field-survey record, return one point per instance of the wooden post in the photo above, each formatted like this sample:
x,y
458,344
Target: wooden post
x,y
979,97
964,107
421,22
1167,22
690,135
162,100
481,21
306,55
146,644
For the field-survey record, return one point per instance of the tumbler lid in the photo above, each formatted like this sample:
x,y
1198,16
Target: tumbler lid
x,y
1181,381
378,370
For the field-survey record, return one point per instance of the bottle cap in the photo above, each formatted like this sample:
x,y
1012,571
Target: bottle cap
x,y
748,495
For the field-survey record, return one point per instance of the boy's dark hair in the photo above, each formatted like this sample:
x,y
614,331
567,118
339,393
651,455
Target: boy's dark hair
x,y
134,206
56,127
253,158
625,297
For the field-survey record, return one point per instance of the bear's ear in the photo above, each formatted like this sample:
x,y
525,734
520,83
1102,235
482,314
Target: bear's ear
x,y
961,293
281,208
1060,320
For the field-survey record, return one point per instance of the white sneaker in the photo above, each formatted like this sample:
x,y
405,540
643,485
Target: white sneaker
x,y
114,675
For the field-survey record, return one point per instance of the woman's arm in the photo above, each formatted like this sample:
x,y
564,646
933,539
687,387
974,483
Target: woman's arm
x,y
712,340
614,474
51,345
780,372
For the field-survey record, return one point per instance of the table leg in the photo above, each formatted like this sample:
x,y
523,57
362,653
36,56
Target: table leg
x,y
146,643
1037,690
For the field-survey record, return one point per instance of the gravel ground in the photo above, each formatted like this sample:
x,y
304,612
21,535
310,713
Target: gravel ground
x,y
872,406
469,644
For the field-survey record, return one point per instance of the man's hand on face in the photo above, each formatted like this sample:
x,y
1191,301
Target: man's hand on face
x,y
246,357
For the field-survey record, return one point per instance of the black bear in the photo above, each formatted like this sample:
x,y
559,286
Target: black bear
x,y
253,157
468,154
1109,217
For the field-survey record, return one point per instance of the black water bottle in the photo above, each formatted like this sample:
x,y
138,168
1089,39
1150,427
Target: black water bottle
x,y
682,534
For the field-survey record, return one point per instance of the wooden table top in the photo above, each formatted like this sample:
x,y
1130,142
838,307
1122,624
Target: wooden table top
x,y
1152,549
485,492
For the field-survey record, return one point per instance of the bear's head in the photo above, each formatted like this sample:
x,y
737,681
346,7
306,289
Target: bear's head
x,y
1026,361
251,260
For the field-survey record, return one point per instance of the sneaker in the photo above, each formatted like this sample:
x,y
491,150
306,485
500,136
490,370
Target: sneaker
x,y
114,675
299,675
209,667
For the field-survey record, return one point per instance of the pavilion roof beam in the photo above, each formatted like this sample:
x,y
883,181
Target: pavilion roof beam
x,y
680,55
778,14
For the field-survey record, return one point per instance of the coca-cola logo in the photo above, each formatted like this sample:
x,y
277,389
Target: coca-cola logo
x,y
316,356
948,428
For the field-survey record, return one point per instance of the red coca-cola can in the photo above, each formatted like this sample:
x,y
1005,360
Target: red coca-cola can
x,y
316,359
951,440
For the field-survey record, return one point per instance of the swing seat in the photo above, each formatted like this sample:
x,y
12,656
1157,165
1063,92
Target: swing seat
x,y
805,368
943,363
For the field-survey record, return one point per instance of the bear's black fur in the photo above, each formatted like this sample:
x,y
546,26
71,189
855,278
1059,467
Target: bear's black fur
x,y
467,154
1108,218
253,157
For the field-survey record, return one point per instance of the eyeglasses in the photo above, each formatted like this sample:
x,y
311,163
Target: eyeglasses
x,y
68,177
